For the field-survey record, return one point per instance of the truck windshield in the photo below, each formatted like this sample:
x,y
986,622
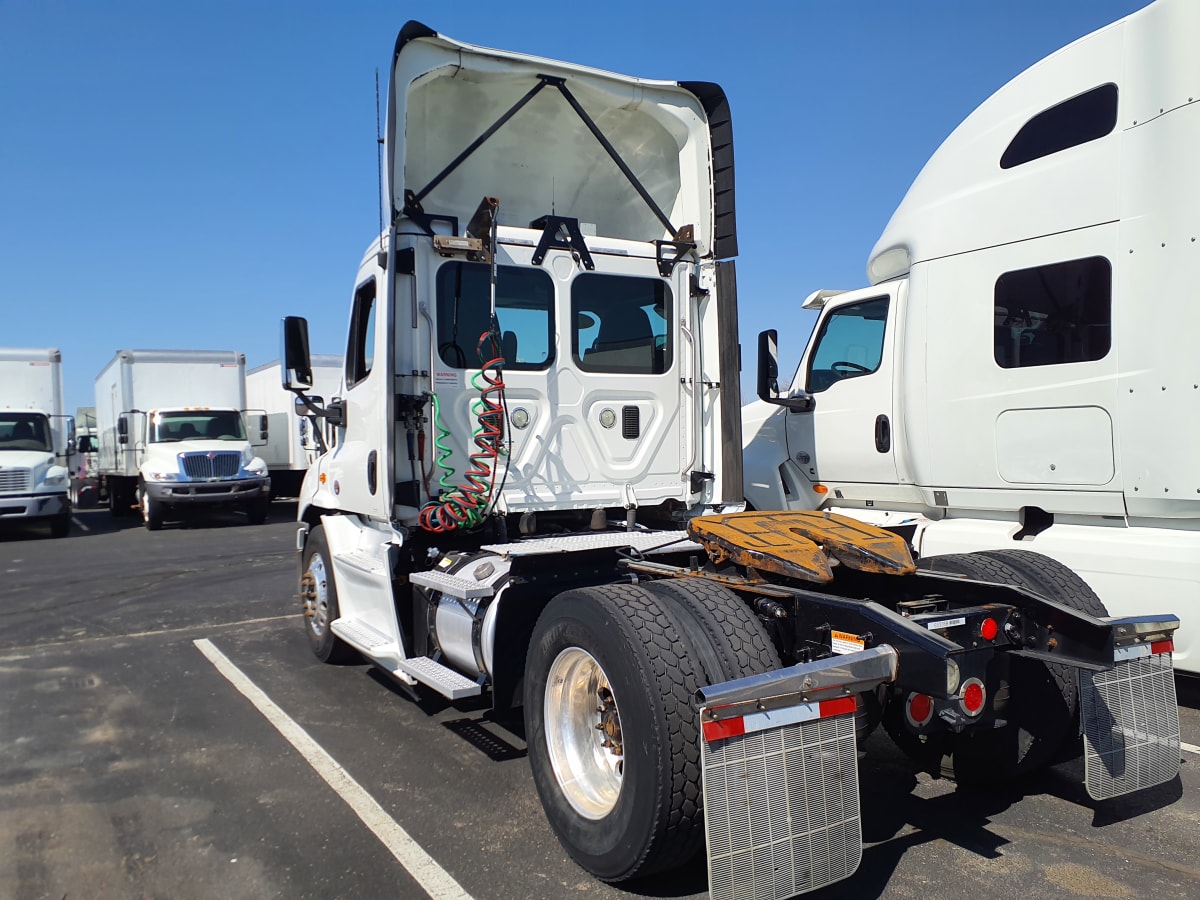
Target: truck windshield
x,y
197,425
25,431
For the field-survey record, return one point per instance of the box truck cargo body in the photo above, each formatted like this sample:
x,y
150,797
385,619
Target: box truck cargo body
x,y
293,442
173,434
36,439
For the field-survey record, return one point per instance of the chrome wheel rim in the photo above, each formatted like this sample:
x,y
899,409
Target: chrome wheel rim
x,y
314,587
583,733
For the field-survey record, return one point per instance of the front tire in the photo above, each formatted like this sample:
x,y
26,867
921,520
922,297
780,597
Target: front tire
x,y
612,734
152,510
258,510
60,526
318,596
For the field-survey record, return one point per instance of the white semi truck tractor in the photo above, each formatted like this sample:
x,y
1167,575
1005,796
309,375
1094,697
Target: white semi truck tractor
x,y
1021,374
37,440
536,495
176,437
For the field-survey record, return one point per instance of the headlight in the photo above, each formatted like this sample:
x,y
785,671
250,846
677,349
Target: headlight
x,y
164,476
258,470
55,480
247,457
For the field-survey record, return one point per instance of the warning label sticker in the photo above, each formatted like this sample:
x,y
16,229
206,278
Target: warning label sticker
x,y
447,378
844,642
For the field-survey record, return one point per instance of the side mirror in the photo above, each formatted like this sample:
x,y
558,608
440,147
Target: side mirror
x,y
302,409
122,430
296,371
768,376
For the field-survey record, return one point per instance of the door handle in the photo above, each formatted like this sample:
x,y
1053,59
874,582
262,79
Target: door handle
x,y
883,434
372,472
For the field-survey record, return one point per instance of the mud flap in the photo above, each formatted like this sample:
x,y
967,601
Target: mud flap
x,y
780,776
1130,723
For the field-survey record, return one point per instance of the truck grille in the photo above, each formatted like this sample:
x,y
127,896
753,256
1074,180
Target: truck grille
x,y
781,810
1130,726
220,464
15,479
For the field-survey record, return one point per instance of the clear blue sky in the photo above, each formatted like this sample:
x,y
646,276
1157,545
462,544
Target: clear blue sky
x,y
181,174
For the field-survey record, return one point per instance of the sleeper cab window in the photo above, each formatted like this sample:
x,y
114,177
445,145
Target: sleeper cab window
x,y
524,316
1052,314
619,324
849,345
1086,117
360,353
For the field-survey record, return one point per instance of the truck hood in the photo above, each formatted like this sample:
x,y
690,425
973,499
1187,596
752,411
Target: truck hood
x,y
38,462
547,155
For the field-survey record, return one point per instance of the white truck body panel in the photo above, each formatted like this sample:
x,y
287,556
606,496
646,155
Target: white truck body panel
x,y
35,436
1038,372
291,446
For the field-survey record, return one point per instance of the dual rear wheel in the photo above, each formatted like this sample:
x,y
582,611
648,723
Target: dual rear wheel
x,y
610,719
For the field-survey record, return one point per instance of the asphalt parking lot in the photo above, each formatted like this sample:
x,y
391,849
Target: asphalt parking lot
x,y
133,763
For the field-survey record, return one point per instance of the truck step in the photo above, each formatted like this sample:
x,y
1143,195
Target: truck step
x,y
364,637
447,682
364,562
452,585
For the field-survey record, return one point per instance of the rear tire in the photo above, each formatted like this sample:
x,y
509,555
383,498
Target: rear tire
x,y
318,596
1042,705
611,657
716,619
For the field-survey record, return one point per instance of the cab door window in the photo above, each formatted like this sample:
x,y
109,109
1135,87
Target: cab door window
x,y
360,354
850,344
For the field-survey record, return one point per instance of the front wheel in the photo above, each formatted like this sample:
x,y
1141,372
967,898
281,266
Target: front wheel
x,y
60,525
318,598
258,510
613,737
152,510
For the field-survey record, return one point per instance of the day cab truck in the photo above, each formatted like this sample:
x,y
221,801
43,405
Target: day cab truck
x,y
175,435
37,440
1022,374
536,495
292,443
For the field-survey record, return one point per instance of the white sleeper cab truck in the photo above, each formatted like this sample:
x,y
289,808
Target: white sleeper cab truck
x,y
293,442
1022,374
37,441
175,435
536,495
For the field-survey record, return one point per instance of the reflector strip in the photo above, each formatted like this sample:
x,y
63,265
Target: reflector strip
x,y
775,718
1141,651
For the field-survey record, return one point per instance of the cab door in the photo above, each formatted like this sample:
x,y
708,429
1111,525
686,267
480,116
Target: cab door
x,y
358,466
847,441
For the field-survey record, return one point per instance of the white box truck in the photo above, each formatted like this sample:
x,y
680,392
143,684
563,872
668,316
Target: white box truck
x,y
295,438
568,346
37,440
1022,375
173,435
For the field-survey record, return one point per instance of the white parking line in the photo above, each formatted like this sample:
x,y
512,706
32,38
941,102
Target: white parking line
x,y
76,521
437,882
1190,748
